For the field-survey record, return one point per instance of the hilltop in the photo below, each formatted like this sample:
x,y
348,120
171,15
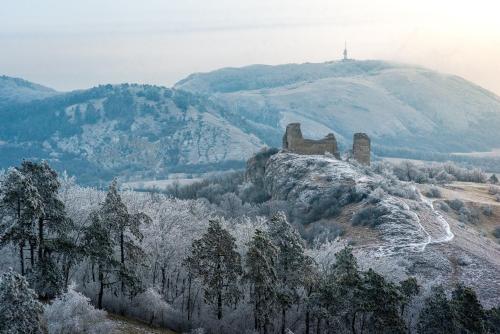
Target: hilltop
x,y
215,121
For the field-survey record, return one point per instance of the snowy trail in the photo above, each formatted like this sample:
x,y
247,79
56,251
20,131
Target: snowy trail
x,y
446,226
402,243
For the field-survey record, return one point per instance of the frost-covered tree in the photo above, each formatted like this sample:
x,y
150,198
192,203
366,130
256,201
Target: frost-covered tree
x,y
380,303
339,294
20,311
261,273
437,315
33,214
293,264
468,311
72,312
125,227
216,263
20,203
409,288
52,222
99,248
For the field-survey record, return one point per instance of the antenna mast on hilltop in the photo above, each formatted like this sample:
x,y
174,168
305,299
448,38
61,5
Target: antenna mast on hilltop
x,y
345,52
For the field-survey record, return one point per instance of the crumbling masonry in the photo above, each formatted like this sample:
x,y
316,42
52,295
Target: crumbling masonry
x,y
293,141
361,148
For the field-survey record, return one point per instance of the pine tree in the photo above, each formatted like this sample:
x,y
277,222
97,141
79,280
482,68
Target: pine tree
x,y
215,261
468,311
437,316
293,264
20,312
409,288
20,204
340,291
493,320
51,219
99,248
262,275
381,300
125,228
493,179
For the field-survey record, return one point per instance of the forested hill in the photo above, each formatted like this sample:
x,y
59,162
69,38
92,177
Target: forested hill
x,y
216,120
129,131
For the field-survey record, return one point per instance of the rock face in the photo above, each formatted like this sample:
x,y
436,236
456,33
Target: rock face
x,y
361,148
293,141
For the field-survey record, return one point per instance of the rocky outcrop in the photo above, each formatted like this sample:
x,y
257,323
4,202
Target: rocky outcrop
x,y
361,148
294,142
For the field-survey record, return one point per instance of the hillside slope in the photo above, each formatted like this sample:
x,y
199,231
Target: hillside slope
x,y
216,120
15,90
399,106
131,131
391,225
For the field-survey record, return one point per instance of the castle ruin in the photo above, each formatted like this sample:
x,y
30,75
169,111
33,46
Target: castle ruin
x,y
293,141
361,148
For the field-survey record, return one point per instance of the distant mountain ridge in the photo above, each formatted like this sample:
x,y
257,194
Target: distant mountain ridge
x,y
216,120
16,90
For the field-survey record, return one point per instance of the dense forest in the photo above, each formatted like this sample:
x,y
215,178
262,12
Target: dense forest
x,y
201,258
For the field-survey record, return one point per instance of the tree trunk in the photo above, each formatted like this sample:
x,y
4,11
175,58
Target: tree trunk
x,y
353,323
101,290
189,298
40,240
32,254
163,280
318,326
219,305
308,316
283,320
21,256
122,257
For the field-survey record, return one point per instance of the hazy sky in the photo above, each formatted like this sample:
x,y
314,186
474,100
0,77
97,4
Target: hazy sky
x,y
68,44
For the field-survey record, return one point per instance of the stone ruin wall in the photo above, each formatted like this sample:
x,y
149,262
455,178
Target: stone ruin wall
x,y
295,142
361,148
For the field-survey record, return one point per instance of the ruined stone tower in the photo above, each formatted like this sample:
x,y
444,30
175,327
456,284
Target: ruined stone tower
x,y
295,142
361,148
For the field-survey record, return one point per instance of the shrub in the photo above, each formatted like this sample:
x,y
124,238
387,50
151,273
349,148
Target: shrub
x,y
467,215
20,311
72,313
376,196
494,190
487,210
443,206
369,216
497,198
496,232
456,204
433,192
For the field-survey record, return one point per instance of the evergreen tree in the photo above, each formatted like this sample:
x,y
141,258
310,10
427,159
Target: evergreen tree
x,y
468,311
381,301
52,222
409,288
340,291
293,264
20,312
99,248
262,275
125,228
437,315
493,320
20,204
493,179
215,261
